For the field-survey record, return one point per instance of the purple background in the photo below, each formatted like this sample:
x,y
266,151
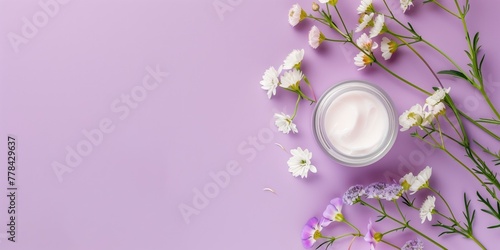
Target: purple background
x,y
208,112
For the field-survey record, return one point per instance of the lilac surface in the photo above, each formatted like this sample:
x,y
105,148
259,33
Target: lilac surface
x,y
207,114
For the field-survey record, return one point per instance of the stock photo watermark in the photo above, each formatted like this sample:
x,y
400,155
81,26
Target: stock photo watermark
x,y
221,7
248,148
120,107
30,27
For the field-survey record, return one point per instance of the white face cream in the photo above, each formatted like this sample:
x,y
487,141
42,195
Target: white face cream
x,y
355,123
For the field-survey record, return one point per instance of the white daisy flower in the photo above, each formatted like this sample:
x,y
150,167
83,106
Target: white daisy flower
x,y
294,59
285,123
406,181
362,60
366,43
300,163
437,97
405,4
438,109
421,180
428,118
315,37
412,117
270,81
378,26
388,48
365,20
427,208
291,79
296,14
366,6
331,2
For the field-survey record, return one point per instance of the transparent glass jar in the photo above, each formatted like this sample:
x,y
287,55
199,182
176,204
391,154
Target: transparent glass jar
x,y
321,131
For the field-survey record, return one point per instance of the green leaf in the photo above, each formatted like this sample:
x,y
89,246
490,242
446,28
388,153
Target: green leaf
x,y
454,73
481,63
490,121
381,218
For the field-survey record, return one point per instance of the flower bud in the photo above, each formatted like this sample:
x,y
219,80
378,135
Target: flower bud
x,y
315,6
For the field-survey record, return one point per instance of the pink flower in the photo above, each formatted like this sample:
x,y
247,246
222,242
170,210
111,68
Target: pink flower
x,y
372,236
333,212
311,232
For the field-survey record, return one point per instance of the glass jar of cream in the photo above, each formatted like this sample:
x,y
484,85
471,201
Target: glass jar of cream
x,y
355,123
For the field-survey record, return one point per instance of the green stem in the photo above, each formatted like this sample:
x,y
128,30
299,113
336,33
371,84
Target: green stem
x,y
335,40
352,226
476,69
296,107
405,224
341,19
310,88
446,204
318,19
394,230
444,8
484,129
423,60
472,173
390,244
443,134
453,126
401,78
478,243
487,98
447,57
348,234
400,212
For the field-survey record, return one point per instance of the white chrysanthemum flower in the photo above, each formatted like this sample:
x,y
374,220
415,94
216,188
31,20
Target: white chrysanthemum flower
x,y
270,81
362,60
300,163
438,109
296,14
437,97
405,4
285,123
407,180
413,117
388,48
315,37
331,2
421,180
366,43
428,118
365,20
294,59
427,208
366,6
378,26
291,79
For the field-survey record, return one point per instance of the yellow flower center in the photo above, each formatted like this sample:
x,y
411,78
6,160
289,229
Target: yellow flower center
x,y
339,217
333,2
378,237
393,46
317,235
405,185
418,119
367,60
